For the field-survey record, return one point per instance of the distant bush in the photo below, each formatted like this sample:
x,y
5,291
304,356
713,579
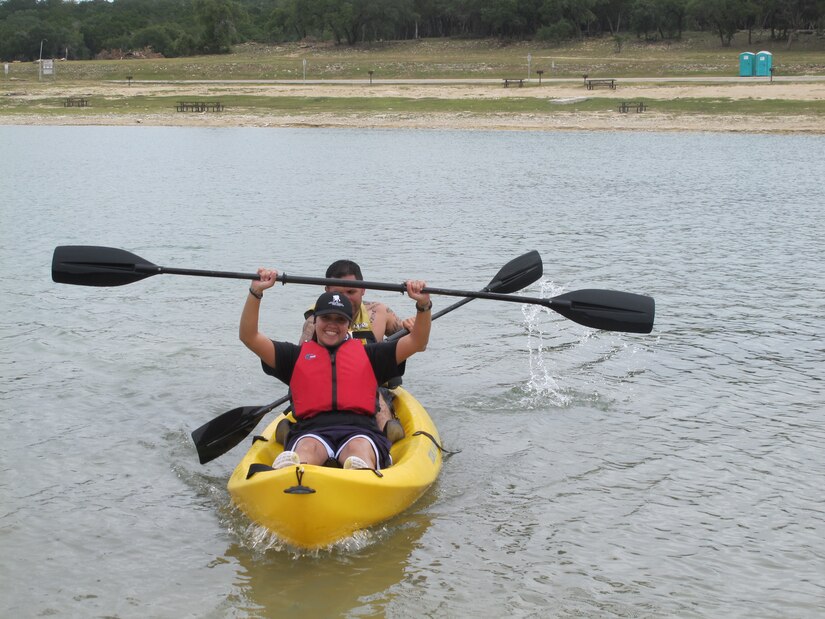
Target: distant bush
x,y
560,31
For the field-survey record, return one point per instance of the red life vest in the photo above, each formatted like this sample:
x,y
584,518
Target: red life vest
x,y
338,380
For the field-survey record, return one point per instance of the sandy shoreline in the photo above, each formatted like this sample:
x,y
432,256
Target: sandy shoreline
x,y
572,121
561,114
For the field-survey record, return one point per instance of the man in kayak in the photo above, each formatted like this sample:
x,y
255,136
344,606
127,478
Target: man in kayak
x,y
333,379
372,322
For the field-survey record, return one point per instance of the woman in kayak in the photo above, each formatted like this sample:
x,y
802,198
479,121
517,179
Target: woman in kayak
x,y
333,379
372,321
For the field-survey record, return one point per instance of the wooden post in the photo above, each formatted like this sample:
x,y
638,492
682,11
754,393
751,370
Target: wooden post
x,y
370,72
129,79
540,72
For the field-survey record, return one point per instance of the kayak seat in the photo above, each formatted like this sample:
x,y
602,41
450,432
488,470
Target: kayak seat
x,y
282,430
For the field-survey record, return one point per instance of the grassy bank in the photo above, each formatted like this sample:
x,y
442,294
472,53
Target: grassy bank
x,y
697,54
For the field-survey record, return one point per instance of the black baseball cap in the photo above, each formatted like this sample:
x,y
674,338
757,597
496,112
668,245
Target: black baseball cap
x,y
334,303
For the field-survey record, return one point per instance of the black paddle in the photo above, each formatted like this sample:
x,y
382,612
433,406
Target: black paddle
x,y
600,309
216,437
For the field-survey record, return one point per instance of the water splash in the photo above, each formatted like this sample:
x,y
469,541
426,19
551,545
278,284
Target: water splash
x,y
571,364
542,388
261,540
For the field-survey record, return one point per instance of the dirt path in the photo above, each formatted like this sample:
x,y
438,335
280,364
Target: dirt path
x,y
800,91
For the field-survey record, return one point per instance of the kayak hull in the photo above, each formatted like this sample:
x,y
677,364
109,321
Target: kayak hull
x,y
314,506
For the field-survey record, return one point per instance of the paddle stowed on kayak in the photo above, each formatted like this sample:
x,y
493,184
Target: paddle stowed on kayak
x,y
314,506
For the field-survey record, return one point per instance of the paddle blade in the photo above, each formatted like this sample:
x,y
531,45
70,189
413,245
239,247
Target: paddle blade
x,y
216,437
609,310
88,265
517,274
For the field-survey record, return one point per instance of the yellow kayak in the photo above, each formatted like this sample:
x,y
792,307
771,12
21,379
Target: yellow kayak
x,y
313,506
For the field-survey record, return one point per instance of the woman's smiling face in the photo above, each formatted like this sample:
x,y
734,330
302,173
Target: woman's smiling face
x,y
331,329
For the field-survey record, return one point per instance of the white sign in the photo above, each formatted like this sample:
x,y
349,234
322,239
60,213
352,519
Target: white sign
x,y
6,68
48,67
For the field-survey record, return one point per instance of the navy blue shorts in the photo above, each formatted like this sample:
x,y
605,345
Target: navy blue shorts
x,y
335,437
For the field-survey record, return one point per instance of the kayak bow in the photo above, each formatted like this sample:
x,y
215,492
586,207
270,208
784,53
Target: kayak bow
x,y
314,506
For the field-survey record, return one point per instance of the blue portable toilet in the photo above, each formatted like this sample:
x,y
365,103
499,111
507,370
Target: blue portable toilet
x,y
746,62
764,62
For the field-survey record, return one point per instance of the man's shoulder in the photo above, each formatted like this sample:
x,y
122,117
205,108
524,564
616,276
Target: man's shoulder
x,y
374,306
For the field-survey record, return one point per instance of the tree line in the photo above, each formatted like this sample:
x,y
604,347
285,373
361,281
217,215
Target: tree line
x,y
86,29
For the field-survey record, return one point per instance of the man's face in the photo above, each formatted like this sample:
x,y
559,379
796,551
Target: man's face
x,y
355,295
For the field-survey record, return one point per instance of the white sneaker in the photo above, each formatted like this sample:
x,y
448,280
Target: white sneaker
x,y
285,459
354,462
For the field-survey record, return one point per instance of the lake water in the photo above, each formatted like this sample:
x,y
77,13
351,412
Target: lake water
x,y
600,474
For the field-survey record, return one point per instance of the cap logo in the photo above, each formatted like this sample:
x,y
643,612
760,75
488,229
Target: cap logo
x,y
336,301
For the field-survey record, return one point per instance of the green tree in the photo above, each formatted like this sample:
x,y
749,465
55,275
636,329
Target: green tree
x,y
161,38
614,12
16,6
20,36
501,18
296,19
559,15
644,18
673,15
562,30
217,19
724,16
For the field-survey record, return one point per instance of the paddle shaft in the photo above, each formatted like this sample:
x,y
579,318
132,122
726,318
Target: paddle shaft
x,y
85,265
354,283
149,269
294,279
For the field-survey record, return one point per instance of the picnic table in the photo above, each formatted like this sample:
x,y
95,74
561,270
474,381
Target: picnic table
x,y
199,106
513,80
636,106
591,83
